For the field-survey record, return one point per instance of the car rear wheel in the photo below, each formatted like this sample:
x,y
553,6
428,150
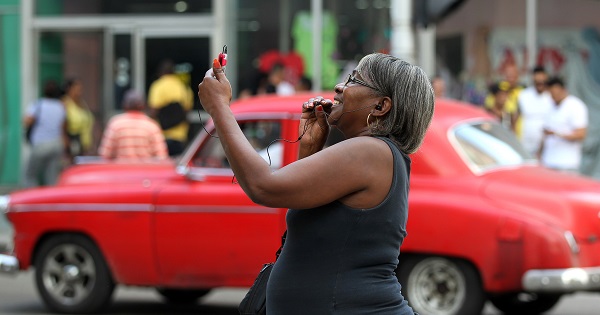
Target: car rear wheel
x,y
441,286
180,296
524,303
72,276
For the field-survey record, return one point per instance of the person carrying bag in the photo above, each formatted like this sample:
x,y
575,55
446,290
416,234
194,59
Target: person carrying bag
x,y
255,301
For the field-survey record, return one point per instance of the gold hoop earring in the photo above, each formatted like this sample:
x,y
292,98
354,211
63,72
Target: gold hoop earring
x,y
375,126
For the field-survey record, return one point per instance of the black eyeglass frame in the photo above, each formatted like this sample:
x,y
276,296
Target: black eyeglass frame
x,y
352,78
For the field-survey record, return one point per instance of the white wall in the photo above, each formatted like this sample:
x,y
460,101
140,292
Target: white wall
x,y
477,17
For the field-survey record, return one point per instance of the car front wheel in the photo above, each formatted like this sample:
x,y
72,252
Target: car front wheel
x,y
72,276
441,286
524,303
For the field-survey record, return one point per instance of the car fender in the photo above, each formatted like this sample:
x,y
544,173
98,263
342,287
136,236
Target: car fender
x,y
469,228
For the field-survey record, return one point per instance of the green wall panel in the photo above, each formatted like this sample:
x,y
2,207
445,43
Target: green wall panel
x,y
10,108
51,58
49,7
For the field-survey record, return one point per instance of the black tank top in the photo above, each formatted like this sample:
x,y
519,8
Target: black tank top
x,y
341,260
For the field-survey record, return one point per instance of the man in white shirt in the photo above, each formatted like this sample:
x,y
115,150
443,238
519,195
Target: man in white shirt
x,y
565,129
534,105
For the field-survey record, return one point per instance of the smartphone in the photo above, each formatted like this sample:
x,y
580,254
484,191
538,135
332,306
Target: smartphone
x,y
223,57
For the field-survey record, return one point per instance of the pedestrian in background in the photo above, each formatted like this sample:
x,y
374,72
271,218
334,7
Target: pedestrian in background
x,y
565,129
304,84
343,238
511,80
439,87
500,92
48,139
133,135
535,104
276,82
170,100
80,120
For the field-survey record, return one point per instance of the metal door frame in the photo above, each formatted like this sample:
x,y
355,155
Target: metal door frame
x,y
136,25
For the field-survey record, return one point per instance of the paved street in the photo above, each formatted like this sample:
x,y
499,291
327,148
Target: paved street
x,y
19,297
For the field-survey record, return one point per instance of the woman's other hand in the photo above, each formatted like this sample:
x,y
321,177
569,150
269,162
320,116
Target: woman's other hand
x,y
215,89
314,128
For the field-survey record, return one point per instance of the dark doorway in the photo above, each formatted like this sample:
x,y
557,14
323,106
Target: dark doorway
x,y
190,55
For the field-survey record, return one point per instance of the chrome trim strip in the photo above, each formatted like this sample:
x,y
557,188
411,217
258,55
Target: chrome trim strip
x,y
108,207
64,207
572,242
209,171
214,209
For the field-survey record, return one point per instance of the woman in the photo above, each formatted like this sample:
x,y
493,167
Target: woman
x,y
349,202
80,120
48,137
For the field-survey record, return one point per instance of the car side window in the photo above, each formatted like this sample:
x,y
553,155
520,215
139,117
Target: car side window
x,y
260,134
486,145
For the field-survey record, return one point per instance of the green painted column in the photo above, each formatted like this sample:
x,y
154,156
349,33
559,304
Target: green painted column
x,y
50,45
10,99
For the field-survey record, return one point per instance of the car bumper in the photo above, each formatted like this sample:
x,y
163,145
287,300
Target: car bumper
x,y
562,280
8,264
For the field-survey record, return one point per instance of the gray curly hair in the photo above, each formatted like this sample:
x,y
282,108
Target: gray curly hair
x,y
412,97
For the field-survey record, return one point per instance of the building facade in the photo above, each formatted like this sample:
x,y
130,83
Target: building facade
x,y
115,45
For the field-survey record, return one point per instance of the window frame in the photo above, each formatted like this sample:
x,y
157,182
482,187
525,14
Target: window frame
x,y
474,167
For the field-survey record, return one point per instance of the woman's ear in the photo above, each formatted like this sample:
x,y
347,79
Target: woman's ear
x,y
383,107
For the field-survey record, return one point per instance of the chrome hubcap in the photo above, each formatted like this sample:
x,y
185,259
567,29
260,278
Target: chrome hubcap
x,y
436,287
69,274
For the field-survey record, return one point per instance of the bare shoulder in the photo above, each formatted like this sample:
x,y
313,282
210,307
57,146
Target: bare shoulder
x,y
370,160
367,147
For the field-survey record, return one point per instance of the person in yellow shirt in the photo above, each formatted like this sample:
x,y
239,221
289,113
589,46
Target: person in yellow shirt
x,y
511,106
169,100
80,120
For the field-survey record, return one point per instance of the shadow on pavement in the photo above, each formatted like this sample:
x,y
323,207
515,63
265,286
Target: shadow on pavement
x,y
126,307
138,308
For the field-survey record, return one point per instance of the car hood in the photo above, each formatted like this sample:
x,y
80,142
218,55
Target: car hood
x,y
109,183
563,200
117,172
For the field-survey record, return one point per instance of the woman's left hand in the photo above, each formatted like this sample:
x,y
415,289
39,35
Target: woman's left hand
x,y
215,89
313,125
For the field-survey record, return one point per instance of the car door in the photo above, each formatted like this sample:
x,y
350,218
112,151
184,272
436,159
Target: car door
x,y
207,231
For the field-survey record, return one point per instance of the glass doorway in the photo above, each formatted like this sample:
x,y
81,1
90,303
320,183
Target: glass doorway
x,y
190,52
190,55
112,54
109,61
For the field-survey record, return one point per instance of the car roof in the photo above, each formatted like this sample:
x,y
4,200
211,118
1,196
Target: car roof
x,y
447,111
273,103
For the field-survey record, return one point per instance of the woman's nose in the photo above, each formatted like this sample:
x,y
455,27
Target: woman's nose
x,y
339,88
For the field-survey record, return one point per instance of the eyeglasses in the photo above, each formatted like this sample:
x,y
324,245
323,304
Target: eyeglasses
x,y
352,78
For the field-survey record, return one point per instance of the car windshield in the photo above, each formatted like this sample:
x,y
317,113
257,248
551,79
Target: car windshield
x,y
261,135
486,145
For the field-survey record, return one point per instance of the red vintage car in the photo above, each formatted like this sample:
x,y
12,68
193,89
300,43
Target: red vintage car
x,y
486,222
